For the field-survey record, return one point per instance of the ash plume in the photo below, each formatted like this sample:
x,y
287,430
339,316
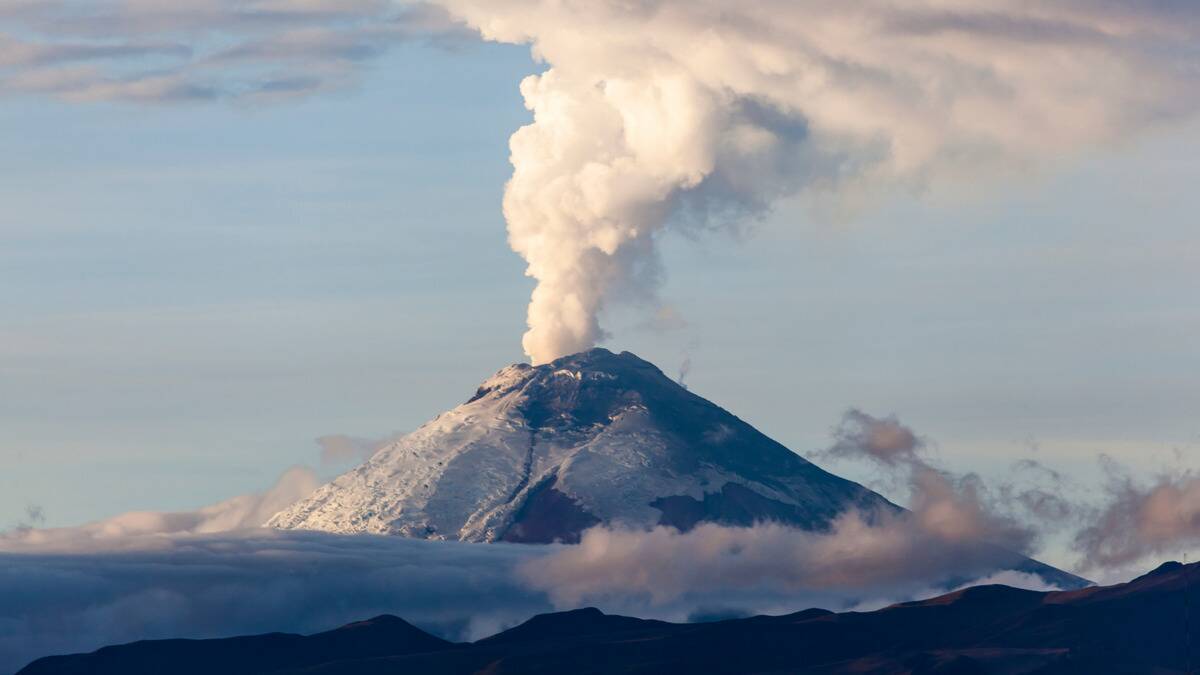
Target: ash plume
x,y
661,115
655,115
685,368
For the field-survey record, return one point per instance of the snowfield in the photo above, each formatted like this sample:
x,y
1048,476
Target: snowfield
x,y
541,453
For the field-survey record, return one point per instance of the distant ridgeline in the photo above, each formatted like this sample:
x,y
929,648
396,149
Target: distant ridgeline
x,y
1138,627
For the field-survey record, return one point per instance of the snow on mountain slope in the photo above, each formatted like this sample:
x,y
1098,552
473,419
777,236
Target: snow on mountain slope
x,y
541,453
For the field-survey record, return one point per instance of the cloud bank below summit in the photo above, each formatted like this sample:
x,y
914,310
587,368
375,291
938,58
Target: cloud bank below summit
x,y
213,572
78,594
86,593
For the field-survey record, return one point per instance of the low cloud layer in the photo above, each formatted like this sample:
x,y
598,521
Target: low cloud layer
x,y
243,512
889,556
67,594
201,50
86,594
213,572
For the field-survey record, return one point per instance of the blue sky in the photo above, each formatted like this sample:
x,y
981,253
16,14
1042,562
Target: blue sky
x,y
190,294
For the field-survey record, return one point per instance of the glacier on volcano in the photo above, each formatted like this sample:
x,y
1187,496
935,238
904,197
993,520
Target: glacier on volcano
x,y
540,454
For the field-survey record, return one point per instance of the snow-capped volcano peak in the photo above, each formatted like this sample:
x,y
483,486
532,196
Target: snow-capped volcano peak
x,y
540,453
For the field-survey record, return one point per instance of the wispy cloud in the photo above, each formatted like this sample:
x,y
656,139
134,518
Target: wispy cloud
x,y
952,504
197,50
1121,527
339,448
880,439
244,512
1141,519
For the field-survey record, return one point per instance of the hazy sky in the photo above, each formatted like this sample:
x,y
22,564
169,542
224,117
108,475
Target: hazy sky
x,y
192,292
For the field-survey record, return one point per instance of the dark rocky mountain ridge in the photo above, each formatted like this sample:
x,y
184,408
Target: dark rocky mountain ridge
x,y
1142,626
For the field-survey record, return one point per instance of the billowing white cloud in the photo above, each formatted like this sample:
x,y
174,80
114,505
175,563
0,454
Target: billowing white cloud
x,y
655,114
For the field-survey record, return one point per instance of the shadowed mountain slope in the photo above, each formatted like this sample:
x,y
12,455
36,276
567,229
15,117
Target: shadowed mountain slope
x,y
379,637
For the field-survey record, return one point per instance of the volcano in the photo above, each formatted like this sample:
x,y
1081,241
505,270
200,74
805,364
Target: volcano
x,y
541,453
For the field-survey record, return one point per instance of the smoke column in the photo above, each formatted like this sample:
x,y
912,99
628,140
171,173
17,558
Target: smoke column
x,y
654,115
